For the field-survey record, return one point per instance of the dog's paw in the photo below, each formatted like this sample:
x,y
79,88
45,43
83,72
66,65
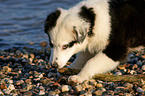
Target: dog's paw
x,y
76,78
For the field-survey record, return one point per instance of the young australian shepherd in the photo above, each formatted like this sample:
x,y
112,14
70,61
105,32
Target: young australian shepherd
x,y
100,31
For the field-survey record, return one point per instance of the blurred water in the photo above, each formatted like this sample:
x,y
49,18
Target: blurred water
x,y
21,21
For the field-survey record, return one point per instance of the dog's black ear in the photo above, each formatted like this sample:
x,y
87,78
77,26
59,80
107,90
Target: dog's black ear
x,y
80,34
89,16
51,20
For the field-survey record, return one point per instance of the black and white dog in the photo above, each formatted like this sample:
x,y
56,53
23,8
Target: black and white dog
x,y
100,31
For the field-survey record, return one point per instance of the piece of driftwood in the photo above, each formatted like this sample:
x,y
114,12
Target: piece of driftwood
x,y
106,77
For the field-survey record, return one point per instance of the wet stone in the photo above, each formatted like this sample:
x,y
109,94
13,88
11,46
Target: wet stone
x,y
139,63
28,93
10,87
1,93
28,69
65,88
143,87
99,85
143,67
98,93
42,92
140,90
6,69
79,88
20,82
28,81
118,73
52,93
128,94
128,85
119,90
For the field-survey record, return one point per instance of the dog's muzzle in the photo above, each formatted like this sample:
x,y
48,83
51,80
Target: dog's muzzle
x,y
54,65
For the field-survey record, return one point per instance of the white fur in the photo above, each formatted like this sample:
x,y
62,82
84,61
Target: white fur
x,y
90,59
96,65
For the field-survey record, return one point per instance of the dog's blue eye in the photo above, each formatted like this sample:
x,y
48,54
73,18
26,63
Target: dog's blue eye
x,y
65,46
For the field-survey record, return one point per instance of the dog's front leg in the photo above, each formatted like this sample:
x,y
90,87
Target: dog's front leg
x,y
81,60
100,63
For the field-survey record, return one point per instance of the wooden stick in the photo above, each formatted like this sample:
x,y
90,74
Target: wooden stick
x,y
106,77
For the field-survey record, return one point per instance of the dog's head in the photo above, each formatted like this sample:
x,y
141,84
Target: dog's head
x,y
68,31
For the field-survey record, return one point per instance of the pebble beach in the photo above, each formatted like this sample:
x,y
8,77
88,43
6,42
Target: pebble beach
x,y
26,72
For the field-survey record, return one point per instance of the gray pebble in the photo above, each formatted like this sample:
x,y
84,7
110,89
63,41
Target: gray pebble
x,y
119,89
118,73
139,63
140,90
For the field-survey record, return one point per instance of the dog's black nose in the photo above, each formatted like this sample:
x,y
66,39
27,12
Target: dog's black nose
x,y
55,65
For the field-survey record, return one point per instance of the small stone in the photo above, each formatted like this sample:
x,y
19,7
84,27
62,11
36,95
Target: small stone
x,y
28,80
110,92
10,87
20,82
128,85
1,93
32,56
98,93
2,75
93,82
51,93
143,87
139,63
3,86
78,88
65,88
7,69
45,81
38,75
143,67
1,56
127,94
88,94
102,89
56,84
135,66
140,90
143,56
31,60
118,73
43,44
28,93
133,72
27,87
51,74
119,90
42,92
121,67
57,91
99,85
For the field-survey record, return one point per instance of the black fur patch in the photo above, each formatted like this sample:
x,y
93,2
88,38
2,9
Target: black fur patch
x,y
72,43
51,20
128,27
89,16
